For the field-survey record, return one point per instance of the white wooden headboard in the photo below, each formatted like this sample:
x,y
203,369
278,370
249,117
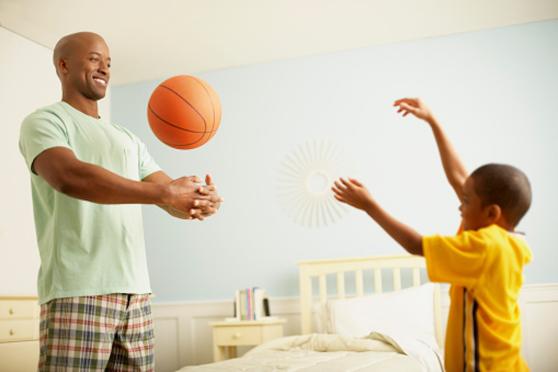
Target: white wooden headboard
x,y
338,268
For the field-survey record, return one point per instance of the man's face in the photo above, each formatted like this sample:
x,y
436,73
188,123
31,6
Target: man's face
x,y
474,215
88,68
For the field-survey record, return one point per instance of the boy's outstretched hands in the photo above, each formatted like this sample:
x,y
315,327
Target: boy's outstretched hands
x,y
352,192
414,106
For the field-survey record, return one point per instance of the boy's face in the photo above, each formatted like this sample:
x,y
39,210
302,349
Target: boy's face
x,y
473,214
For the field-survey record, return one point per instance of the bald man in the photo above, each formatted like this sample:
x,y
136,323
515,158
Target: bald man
x,y
89,177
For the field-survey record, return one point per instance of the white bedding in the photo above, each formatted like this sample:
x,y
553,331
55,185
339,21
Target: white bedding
x,y
328,353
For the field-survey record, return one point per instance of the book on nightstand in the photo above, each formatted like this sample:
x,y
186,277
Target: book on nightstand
x,y
251,304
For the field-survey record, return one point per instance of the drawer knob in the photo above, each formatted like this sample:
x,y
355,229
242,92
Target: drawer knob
x,y
12,332
11,311
237,335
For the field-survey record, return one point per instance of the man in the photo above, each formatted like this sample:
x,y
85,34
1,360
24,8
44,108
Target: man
x,y
88,179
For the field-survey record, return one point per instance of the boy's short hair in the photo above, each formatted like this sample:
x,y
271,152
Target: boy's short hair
x,y
506,186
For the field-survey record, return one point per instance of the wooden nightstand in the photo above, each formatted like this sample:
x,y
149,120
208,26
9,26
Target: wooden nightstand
x,y
230,334
19,333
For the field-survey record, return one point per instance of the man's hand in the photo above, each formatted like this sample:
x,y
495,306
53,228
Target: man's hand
x,y
187,198
215,200
414,106
352,192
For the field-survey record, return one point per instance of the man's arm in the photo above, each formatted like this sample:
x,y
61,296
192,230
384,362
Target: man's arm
x,y
455,171
59,167
354,193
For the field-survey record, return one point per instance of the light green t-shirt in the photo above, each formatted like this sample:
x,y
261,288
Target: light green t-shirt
x,y
86,248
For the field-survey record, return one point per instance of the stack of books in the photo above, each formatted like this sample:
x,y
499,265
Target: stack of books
x,y
251,304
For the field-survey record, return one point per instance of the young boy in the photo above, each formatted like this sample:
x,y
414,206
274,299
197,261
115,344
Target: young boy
x,y
483,263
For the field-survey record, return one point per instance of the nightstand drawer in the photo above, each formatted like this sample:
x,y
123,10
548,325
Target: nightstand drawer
x,y
233,336
18,330
14,309
19,356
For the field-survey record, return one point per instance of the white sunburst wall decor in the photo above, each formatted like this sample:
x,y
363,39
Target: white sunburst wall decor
x,y
304,181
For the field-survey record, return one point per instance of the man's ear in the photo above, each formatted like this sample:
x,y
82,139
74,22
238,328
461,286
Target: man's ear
x,y
61,67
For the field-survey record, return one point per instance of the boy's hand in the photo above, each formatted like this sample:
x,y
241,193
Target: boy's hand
x,y
414,106
352,192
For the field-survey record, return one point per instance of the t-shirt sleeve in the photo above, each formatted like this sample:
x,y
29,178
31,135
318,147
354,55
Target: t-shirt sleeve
x,y
40,132
147,164
455,259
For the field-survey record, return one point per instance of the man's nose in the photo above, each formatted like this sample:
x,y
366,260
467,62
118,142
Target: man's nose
x,y
103,67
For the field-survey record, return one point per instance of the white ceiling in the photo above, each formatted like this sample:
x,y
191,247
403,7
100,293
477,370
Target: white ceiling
x,y
155,39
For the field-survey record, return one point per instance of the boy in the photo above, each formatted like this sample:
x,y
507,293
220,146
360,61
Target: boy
x,y
483,263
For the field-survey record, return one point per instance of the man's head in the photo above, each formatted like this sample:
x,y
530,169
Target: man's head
x,y
82,62
495,193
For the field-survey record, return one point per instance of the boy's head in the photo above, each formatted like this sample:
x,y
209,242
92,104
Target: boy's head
x,y
495,194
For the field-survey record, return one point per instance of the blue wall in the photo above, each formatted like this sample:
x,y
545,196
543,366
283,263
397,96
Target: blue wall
x,y
495,91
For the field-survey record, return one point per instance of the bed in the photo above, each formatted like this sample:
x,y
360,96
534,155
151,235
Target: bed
x,y
357,314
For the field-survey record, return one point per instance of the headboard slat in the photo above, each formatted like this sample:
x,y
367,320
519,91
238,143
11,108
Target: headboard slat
x,y
323,289
396,279
340,285
378,280
358,283
416,277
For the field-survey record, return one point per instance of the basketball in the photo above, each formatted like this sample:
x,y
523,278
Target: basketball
x,y
184,112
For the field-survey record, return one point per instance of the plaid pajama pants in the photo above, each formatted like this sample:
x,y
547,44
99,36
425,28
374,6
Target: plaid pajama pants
x,y
109,332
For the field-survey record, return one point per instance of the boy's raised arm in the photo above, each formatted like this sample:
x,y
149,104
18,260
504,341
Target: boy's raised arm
x,y
453,166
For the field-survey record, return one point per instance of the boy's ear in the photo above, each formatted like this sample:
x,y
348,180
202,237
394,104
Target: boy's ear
x,y
493,212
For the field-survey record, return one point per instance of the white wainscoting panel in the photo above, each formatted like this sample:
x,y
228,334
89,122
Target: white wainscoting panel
x,y
167,351
540,329
183,335
191,341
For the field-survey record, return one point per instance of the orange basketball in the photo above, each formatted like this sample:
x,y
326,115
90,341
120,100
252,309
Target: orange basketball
x,y
184,112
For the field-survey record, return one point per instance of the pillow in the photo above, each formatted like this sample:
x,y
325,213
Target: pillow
x,y
409,311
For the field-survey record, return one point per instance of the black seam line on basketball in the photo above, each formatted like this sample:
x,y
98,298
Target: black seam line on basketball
x,y
188,144
208,96
185,144
188,103
171,124
182,144
210,100
202,138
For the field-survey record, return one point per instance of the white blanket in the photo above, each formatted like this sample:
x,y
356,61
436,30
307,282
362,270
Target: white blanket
x,y
326,352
